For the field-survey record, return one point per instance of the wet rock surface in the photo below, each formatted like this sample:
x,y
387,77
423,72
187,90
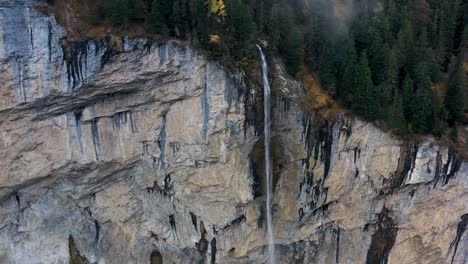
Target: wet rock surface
x,y
149,154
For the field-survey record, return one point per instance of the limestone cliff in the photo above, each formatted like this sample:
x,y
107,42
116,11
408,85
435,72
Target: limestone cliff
x,y
127,151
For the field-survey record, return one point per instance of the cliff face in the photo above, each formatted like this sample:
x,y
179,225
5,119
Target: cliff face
x,y
126,151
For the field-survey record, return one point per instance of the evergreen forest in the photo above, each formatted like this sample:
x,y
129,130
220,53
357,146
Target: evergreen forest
x,y
398,61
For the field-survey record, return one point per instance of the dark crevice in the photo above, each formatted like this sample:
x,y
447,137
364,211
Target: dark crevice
x,y
49,40
108,52
461,228
161,142
155,188
444,173
237,221
405,167
18,201
156,257
133,123
168,187
202,244
78,125
74,53
119,119
205,105
456,163
337,252
213,250
31,37
97,227
172,222
261,217
96,139
75,255
194,220
382,240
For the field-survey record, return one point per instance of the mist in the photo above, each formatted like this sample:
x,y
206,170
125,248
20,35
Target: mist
x,y
337,14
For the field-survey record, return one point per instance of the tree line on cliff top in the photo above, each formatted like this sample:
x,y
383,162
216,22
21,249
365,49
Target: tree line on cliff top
x,y
400,61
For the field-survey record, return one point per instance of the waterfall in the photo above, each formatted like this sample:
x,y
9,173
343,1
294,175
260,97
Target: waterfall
x,y
268,168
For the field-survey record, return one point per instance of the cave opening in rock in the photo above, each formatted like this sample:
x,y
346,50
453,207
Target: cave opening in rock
x,y
156,257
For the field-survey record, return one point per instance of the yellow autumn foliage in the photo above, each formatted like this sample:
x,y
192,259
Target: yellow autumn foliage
x,y
316,98
214,38
217,7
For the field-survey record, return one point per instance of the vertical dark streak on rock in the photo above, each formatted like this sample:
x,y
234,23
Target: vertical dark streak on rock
x,y
108,52
97,227
412,162
205,106
406,163
461,228
73,56
442,173
172,222
21,90
162,55
17,197
194,220
318,145
119,119
49,40
31,37
78,124
437,172
253,108
202,244
213,250
337,254
456,165
75,255
356,151
256,179
96,139
261,217
133,123
324,140
382,240
162,140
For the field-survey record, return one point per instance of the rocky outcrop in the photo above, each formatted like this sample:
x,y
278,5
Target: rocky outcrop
x,y
128,151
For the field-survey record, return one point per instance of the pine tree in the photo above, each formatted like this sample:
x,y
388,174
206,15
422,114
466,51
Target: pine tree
x,y
200,22
135,10
423,117
328,68
291,39
158,24
388,81
366,102
408,93
455,98
405,47
120,13
396,116
177,18
294,51
347,69
156,17
240,20
273,26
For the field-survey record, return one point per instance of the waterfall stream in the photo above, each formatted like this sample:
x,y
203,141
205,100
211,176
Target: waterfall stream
x,y
268,168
